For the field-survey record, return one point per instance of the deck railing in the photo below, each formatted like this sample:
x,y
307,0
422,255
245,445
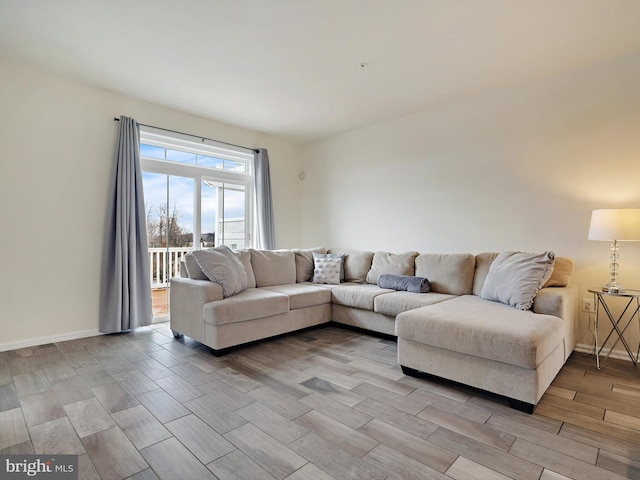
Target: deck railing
x,y
164,264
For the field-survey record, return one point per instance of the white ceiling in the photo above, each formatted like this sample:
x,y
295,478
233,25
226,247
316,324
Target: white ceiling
x,y
291,68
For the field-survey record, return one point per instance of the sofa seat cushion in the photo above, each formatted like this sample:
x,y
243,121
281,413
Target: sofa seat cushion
x,y
248,305
485,329
398,302
302,295
358,296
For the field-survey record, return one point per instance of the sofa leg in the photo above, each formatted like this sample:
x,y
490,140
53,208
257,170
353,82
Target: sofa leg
x,y
521,406
176,334
410,372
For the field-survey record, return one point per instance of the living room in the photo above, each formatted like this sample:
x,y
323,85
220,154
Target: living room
x,y
519,167
515,161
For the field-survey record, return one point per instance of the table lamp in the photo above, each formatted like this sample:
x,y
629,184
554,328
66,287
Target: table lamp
x,y
615,225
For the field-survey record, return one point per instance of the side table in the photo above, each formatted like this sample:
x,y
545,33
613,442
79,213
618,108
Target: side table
x,y
620,324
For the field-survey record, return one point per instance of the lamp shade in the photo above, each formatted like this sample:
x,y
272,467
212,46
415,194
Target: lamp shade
x,y
615,224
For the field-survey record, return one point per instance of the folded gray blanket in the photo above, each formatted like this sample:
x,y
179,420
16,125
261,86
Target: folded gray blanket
x,y
404,283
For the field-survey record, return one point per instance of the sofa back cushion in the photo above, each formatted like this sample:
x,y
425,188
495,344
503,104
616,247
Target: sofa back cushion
x,y
304,262
562,271
391,263
483,262
450,273
356,264
273,267
245,258
194,271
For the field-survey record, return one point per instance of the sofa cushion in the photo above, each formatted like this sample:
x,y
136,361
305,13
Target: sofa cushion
x,y
484,329
514,278
398,302
327,268
248,305
304,262
483,263
356,264
223,267
302,295
392,263
245,258
273,267
194,271
450,273
561,275
358,296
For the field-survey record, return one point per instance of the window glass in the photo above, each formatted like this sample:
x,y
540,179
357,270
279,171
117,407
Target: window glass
x,y
151,151
181,157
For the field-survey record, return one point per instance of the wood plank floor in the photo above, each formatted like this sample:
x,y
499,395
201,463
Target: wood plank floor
x,y
321,404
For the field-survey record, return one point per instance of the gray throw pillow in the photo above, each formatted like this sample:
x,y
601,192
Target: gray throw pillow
x,y
326,269
223,267
514,278
339,256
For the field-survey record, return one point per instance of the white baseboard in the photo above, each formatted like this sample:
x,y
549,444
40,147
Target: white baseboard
x,y
618,354
33,342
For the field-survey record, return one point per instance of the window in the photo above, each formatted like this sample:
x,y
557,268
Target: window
x,y
198,194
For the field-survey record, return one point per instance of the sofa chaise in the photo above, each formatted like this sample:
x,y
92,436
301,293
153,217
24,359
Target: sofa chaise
x,y
456,331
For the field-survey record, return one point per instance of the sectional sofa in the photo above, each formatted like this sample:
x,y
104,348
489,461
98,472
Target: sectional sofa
x,y
456,331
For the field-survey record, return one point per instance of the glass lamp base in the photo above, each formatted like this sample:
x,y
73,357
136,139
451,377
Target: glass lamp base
x,y
613,288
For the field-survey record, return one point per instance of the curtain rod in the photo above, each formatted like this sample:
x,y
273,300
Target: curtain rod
x,y
196,136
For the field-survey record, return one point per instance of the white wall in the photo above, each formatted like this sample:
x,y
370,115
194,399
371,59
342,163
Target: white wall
x,y
519,168
57,142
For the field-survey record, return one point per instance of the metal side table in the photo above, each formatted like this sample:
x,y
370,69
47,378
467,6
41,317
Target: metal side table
x,y
620,324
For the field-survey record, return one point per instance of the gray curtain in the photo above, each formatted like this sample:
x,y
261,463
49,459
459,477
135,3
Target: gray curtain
x,y
125,296
264,206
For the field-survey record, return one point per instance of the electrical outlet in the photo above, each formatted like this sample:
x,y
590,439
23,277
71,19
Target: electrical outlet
x,y
587,305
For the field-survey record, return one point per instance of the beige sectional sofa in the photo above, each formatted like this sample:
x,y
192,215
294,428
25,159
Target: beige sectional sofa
x,y
450,332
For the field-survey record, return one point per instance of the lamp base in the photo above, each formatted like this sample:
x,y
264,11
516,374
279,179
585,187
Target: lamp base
x,y
613,288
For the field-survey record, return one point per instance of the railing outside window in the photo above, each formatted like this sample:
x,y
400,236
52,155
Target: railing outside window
x,y
164,264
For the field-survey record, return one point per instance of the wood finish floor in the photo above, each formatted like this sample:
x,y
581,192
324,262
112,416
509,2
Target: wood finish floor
x,y
317,405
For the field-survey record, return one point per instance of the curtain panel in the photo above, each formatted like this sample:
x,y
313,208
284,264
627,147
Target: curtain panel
x,y
125,296
264,206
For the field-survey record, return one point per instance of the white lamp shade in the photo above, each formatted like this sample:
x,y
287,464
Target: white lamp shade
x,y
615,224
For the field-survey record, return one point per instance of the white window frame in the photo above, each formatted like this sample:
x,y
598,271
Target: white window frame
x,y
200,146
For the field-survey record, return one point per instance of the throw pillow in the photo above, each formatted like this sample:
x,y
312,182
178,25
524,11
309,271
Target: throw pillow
x,y
339,256
326,269
514,278
223,267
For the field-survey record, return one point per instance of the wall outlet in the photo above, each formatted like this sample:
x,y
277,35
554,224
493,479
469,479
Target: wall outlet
x,y
587,305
